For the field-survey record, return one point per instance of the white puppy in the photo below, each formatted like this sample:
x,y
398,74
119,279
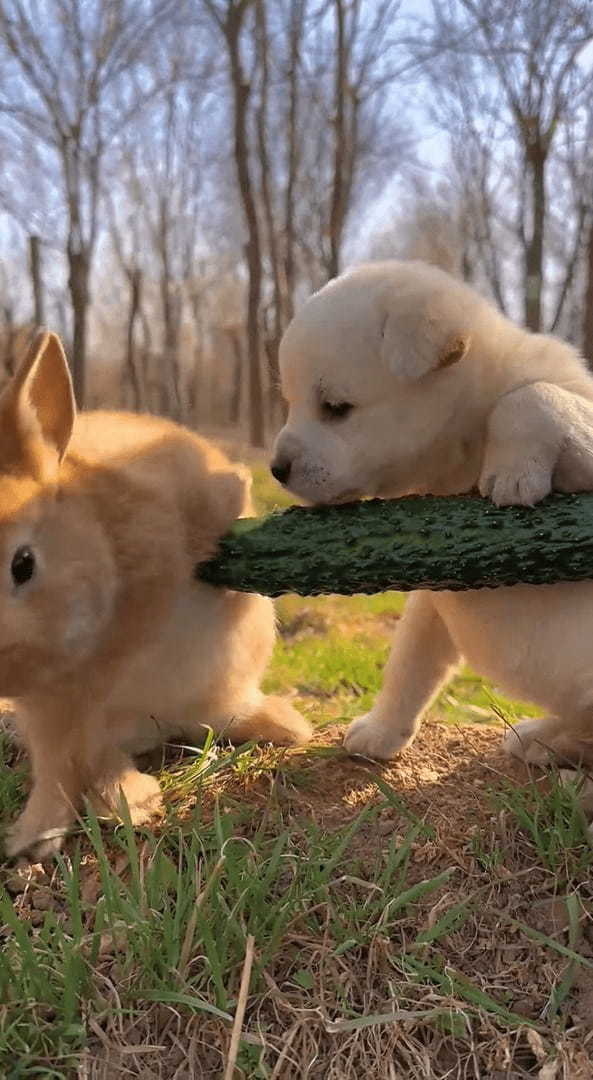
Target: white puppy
x,y
401,379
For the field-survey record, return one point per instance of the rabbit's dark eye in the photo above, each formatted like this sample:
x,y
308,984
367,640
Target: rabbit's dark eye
x,y
22,567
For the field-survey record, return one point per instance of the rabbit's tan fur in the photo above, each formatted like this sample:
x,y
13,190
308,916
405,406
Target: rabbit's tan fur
x,y
113,646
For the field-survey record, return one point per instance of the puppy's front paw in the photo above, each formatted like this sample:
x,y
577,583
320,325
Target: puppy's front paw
x,y
526,741
519,484
522,483
369,736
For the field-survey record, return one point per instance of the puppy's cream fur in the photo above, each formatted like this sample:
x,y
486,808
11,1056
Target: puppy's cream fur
x,y
447,395
113,646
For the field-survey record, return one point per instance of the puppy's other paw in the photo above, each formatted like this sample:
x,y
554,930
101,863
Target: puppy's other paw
x,y
524,483
369,736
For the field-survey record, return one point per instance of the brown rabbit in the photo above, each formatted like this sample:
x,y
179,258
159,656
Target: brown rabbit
x,y
108,644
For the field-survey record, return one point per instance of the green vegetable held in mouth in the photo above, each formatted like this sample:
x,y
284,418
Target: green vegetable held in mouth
x,y
418,542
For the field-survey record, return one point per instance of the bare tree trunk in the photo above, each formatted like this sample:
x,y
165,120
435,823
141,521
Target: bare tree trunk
x,y
195,303
135,279
147,364
8,338
78,282
169,299
36,280
534,249
273,339
588,303
62,317
256,405
338,200
467,272
235,403
572,264
241,90
134,374
171,389
292,157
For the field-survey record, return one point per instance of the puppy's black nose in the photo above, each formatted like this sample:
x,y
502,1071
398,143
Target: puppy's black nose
x,y
280,470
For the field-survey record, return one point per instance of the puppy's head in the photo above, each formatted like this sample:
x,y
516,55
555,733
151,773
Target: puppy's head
x,y
372,368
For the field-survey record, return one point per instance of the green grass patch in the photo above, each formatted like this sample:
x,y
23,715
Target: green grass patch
x,y
336,674
172,928
552,818
336,919
13,772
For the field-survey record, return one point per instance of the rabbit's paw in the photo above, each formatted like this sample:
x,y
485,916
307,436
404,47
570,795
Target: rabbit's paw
x,y
274,720
31,838
143,796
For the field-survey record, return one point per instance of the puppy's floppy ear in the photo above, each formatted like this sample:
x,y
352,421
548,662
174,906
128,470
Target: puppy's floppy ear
x,y
417,338
37,409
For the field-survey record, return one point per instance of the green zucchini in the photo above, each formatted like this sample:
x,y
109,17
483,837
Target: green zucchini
x,y
418,542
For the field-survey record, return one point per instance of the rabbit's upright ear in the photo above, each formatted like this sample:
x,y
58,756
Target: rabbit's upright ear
x,y
228,498
37,409
44,389
221,496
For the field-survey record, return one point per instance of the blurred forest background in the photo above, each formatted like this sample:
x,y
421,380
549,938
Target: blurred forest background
x,y
177,175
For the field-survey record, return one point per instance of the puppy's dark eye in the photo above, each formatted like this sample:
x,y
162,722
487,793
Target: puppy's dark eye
x,y
336,411
22,567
